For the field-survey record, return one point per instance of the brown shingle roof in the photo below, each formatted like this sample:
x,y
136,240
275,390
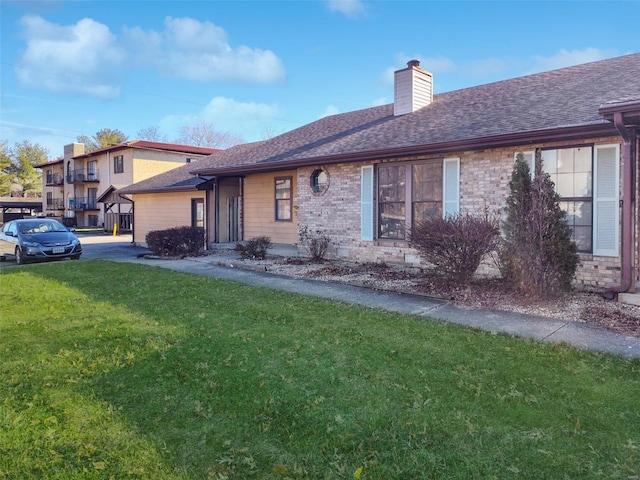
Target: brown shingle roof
x,y
147,145
510,112
492,114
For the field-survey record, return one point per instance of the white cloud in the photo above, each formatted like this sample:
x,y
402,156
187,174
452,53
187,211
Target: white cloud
x,y
566,58
350,8
247,120
69,59
330,110
380,101
83,58
200,51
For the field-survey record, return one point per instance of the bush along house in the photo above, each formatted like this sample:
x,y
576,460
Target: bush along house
x,y
363,178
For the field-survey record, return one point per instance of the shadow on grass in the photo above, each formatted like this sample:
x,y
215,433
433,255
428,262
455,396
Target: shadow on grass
x,y
229,381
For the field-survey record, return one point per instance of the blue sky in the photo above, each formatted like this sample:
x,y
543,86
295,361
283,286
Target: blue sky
x,y
258,68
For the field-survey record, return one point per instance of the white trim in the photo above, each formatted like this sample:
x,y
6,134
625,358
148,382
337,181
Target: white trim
x,y
450,186
606,198
366,203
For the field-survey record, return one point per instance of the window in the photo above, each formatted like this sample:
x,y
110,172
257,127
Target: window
x,y
571,170
319,181
92,170
197,212
410,192
92,196
391,201
118,164
586,179
190,160
49,199
284,198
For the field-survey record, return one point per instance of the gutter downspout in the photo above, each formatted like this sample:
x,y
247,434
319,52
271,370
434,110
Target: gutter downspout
x,y
626,255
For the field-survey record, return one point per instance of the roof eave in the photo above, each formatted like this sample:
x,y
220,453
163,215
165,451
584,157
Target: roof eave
x,y
189,188
630,110
480,143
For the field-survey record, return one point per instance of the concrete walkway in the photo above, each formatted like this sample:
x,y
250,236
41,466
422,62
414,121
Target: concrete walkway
x,y
580,335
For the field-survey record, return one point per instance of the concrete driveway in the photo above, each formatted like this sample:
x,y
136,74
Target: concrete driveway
x,y
100,246
108,247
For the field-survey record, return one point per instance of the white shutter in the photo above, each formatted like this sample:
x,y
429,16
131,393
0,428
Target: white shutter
x,y
606,188
366,203
530,158
450,186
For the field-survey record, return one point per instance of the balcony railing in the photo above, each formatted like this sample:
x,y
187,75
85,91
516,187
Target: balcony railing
x,y
82,176
55,179
83,203
55,204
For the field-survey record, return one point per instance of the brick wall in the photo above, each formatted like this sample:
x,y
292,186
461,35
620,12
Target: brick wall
x,y
484,184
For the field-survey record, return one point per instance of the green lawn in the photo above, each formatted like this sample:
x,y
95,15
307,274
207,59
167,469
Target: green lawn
x,y
113,370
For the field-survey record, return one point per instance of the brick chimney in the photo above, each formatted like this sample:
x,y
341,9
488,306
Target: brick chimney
x,y
413,88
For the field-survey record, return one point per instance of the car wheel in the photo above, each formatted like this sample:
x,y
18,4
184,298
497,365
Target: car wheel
x,y
2,258
75,257
19,257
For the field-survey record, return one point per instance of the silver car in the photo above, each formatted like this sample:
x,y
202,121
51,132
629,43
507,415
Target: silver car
x,y
37,239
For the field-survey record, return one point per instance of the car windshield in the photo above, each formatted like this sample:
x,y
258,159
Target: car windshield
x,y
40,227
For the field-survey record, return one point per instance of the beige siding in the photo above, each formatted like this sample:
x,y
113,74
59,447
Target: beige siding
x,y
158,211
138,165
259,209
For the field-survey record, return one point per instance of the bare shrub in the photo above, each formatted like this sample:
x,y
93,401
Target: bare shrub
x,y
254,249
316,243
455,245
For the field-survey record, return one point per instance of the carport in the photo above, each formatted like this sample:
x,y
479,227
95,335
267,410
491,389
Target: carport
x,y
18,207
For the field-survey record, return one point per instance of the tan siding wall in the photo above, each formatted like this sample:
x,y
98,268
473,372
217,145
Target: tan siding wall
x,y
138,165
150,168
484,183
159,211
259,209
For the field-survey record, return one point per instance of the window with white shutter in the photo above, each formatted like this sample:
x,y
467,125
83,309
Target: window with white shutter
x,y
586,179
409,192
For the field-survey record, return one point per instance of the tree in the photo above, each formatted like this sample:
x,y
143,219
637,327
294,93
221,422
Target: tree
x,y
539,256
204,134
102,139
151,134
7,170
18,167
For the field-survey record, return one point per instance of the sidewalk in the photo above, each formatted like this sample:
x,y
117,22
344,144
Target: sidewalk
x,y
579,335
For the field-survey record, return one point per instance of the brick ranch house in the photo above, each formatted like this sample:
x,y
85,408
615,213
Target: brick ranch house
x,y
364,177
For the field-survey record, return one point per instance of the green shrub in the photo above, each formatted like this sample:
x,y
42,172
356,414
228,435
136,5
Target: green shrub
x,y
255,248
455,245
176,242
538,256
